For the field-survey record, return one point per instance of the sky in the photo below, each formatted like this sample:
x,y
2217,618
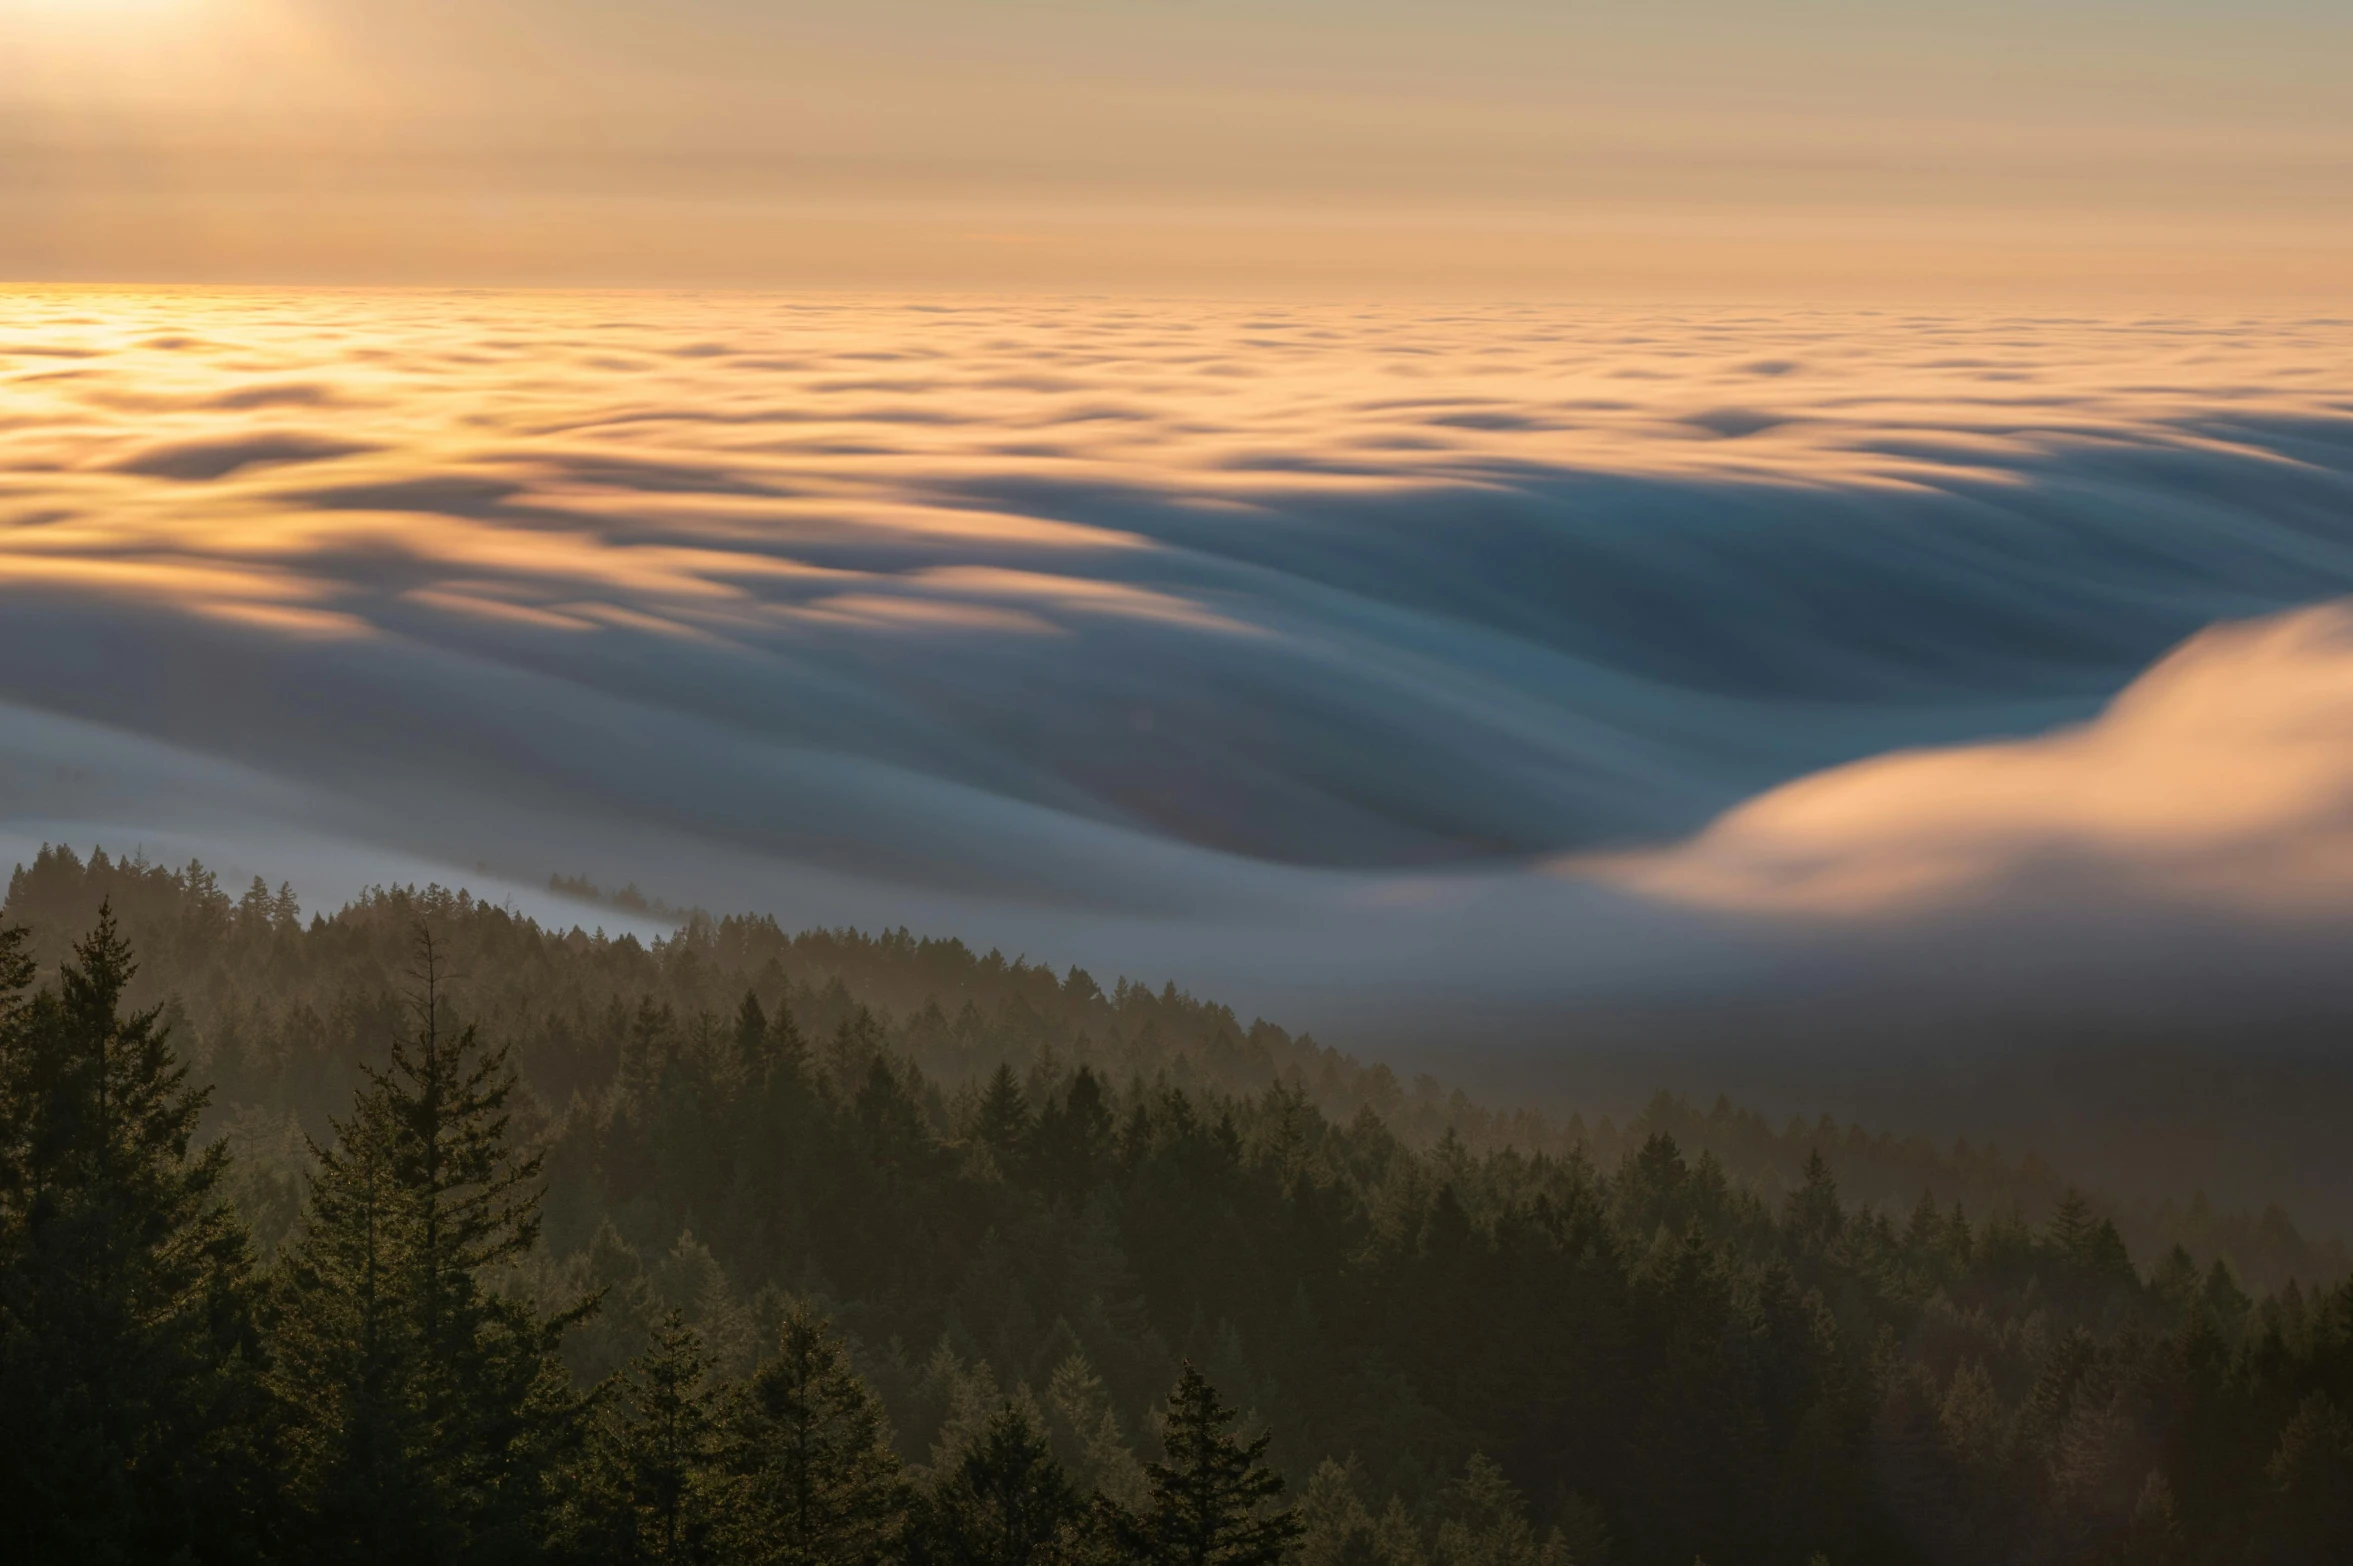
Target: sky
x,y
2083,149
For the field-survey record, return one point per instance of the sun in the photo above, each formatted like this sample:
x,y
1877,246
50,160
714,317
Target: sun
x,y
117,21
93,10
89,14
98,22
80,53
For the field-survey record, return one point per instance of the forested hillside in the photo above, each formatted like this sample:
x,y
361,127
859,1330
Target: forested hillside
x,y
545,1244
278,1012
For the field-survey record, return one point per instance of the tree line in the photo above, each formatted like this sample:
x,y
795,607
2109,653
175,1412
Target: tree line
x,y
1473,1354
276,1010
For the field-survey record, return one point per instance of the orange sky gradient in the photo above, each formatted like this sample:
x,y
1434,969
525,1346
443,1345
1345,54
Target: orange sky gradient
x,y
1799,149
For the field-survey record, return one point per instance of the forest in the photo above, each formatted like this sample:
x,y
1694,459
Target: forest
x,y
420,1232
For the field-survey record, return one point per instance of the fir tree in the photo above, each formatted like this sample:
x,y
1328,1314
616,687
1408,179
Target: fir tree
x,y
753,1048
1213,1496
2307,1518
1002,1122
1812,1214
814,1480
2072,1225
1072,1138
423,1407
2155,1537
2224,1303
1583,1533
1335,1527
1086,1433
649,1487
1004,1502
127,1352
1485,1524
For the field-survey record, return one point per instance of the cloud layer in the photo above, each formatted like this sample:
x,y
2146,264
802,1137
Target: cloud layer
x,y
1249,640
2222,778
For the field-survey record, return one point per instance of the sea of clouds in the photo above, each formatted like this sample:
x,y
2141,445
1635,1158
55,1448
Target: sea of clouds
x,y
1361,664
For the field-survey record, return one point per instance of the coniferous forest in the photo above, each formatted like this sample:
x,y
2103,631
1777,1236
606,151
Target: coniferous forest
x,y
420,1233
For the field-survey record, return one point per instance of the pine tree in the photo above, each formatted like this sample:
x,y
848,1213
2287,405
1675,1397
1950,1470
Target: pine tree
x,y
649,1487
1002,1122
1072,1138
2224,1303
753,1048
1213,1496
1335,1527
1397,1537
355,1439
1086,1433
1812,1214
422,1406
1486,1523
257,909
2155,1537
2174,1283
2072,1225
814,1480
128,1359
1583,1534
2307,1518
1004,1502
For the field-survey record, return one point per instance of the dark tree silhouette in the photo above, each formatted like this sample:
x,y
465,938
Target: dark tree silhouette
x,y
1213,1499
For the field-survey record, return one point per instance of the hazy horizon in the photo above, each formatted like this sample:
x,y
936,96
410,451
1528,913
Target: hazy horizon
x,y
2085,152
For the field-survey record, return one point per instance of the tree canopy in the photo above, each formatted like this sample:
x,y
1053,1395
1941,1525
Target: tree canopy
x,y
616,1254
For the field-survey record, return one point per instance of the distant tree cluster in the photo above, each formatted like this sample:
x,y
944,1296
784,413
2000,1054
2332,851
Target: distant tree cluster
x,y
760,1286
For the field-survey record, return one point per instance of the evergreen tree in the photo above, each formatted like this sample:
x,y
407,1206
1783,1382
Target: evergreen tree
x,y
2155,1537
649,1481
1335,1528
422,1406
1072,1138
2307,1519
2072,1226
1812,1214
1213,1496
1004,1502
1485,1524
814,1480
1086,1433
1001,1123
753,1048
2224,1303
355,1439
1583,1534
127,1350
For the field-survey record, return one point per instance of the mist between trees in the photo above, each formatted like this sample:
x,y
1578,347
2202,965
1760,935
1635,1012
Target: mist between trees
x,y
746,1246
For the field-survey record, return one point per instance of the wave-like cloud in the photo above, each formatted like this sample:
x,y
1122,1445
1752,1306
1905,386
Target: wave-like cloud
x,y
1257,645
2221,780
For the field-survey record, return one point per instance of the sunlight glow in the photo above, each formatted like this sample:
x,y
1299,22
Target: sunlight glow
x,y
536,142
